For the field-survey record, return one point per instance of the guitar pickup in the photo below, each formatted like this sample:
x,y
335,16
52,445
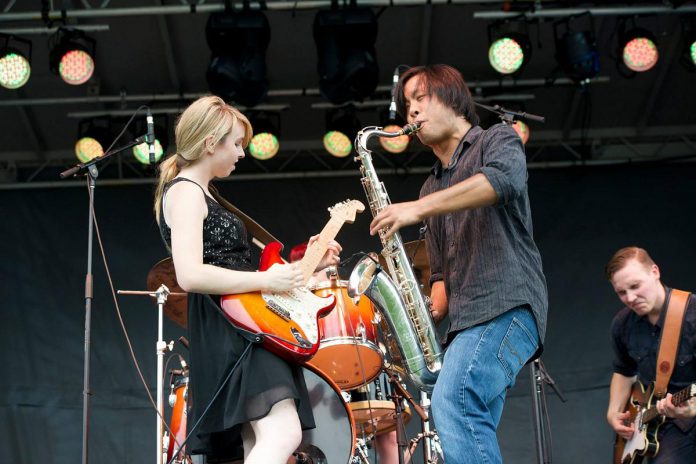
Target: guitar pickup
x,y
277,309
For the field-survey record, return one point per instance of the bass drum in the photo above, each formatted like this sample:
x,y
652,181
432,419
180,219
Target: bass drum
x,y
333,439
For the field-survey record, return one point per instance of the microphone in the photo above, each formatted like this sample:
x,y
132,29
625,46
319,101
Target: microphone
x,y
150,136
392,104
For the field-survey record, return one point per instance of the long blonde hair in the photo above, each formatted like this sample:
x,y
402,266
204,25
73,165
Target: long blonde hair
x,y
208,116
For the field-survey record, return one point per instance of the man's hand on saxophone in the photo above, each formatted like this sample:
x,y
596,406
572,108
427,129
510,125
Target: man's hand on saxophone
x,y
394,217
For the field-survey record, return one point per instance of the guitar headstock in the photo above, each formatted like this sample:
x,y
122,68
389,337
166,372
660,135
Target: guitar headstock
x,y
346,210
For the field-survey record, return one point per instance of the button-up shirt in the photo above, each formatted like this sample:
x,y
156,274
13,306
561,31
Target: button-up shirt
x,y
486,256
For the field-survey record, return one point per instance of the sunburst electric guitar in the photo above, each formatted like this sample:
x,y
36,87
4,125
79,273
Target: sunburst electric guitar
x,y
288,320
646,422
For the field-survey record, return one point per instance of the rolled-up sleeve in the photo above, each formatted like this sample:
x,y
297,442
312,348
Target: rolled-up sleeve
x,y
504,163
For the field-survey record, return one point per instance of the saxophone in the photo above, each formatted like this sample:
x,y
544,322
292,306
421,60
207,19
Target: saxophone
x,y
397,295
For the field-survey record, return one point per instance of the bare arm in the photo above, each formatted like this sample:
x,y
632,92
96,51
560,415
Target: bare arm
x,y
186,223
619,393
474,192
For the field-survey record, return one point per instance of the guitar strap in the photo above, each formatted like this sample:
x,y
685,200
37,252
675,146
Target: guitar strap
x,y
262,236
669,341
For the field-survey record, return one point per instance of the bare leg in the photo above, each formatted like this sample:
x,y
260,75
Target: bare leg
x,y
276,436
248,439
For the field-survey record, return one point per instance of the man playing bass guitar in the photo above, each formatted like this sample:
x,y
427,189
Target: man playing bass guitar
x,y
636,332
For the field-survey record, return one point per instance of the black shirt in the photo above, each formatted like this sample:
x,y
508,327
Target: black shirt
x,y
636,343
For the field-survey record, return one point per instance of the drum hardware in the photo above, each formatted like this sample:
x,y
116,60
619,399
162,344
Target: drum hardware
x,y
161,294
361,447
432,451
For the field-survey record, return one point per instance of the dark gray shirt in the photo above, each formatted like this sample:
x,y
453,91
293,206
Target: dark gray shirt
x,y
486,256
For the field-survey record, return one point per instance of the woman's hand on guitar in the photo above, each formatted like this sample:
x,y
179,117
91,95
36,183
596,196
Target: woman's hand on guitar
x,y
282,277
618,421
331,257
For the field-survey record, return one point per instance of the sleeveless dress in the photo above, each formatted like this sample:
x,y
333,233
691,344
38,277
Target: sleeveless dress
x,y
261,379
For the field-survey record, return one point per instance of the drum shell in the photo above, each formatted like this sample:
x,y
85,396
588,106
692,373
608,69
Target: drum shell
x,y
348,352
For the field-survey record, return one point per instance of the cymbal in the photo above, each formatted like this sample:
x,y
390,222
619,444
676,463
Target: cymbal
x,y
421,265
176,306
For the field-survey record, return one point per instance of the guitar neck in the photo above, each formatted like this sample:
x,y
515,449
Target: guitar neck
x,y
678,398
316,251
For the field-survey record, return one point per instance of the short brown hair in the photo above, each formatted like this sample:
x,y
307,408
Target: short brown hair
x,y
444,82
623,256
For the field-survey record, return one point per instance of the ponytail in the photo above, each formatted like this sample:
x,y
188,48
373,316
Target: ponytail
x,y
169,169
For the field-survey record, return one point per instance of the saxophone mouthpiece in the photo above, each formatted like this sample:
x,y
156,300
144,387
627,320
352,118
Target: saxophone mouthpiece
x,y
409,129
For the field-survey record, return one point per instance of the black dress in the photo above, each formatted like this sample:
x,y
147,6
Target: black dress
x,y
261,379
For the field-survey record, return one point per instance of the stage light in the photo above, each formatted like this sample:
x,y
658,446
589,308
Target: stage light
x,y
94,135
577,54
238,43
394,144
72,56
341,127
510,48
639,50
522,130
141,152
264,144
688,54
347,59
15,67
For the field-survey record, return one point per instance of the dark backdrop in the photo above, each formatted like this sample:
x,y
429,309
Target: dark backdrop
x,y
581,216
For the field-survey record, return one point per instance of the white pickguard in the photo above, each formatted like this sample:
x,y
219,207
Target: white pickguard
x,y
637,441
298,305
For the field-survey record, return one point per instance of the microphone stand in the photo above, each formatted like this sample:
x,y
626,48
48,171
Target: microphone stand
x,y
539,376
162,293
92,174
509,116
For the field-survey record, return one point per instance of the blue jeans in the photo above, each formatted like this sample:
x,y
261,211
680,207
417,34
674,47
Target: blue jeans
x,y
479,366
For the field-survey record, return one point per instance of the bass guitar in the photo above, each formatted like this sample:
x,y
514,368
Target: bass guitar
x,y
289,320
646,422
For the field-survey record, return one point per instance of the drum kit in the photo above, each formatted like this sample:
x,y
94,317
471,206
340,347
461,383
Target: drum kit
x,y
354,381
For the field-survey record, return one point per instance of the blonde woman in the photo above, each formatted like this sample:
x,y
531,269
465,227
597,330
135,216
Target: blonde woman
x,y
264,406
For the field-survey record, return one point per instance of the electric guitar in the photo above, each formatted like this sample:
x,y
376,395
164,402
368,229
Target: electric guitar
x,y
288,320
646,422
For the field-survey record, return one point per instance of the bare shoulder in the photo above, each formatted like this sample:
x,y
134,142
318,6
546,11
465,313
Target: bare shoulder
x,y
185,201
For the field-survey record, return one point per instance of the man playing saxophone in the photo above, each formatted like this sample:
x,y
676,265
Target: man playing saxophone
x,y
482,257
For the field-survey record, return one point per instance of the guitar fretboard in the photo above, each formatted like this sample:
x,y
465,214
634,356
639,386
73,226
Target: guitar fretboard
x,y
314,253
678,398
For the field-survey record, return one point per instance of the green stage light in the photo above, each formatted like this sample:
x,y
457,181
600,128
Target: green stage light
x,y
14,70
337,144
88,148
394,144
94,136
510,48
15,67
522,130
142,152
506,55
264,146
